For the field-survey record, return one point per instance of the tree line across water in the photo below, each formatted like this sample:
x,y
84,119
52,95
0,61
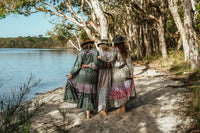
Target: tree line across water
x,y
29,42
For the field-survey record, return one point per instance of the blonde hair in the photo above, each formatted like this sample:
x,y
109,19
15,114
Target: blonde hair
x,y
105,48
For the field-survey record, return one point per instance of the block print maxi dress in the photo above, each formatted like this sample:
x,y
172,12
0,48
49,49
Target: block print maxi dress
x,y
104,84
122,85
85,79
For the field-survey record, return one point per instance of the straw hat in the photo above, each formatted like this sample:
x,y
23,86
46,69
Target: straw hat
x,y
86,41
104,42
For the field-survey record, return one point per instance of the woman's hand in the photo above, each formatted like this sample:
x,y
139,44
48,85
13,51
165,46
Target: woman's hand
x,y
69,76
132,76
99,57
108,65
84,66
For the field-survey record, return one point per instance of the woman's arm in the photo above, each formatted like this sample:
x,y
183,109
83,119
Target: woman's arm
x,y
109,56
99,63
93,66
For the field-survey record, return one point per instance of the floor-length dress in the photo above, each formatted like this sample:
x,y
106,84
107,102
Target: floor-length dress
x,y
104,84
122,84
85,79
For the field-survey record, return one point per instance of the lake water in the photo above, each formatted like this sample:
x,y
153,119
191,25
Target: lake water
x,y
49,65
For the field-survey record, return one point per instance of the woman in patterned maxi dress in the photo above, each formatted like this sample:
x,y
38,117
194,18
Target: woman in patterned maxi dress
x,y
85,79
122,73
104,78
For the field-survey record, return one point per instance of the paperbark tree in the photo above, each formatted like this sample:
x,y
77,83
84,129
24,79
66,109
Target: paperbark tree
x,y
186,29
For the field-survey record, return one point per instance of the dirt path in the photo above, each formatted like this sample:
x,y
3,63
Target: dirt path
x,y
158,108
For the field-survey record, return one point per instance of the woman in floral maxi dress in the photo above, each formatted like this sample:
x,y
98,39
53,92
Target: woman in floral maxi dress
x,y
104,80
122,73
85,79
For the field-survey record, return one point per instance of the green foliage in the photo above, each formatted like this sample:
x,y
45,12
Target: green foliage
x,y
197,21
170,28
2,16
31,39
26,129
174,61
181,68
14,113
44,38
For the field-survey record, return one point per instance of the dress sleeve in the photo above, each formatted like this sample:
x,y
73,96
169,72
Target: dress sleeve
x,y
110,57
129,62
93,66
77,65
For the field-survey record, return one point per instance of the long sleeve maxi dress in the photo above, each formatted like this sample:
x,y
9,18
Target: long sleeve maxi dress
x,y
104,84
122,84
85,79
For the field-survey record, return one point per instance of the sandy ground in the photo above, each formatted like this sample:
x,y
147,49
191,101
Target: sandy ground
x,y
158,108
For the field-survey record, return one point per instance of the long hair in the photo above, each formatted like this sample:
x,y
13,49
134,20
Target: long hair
x,y
104,48
123,49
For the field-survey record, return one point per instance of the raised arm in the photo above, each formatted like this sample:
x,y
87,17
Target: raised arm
x,y
99,63
109,57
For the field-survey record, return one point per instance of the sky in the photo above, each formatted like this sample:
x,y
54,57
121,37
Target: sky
x,y
19,25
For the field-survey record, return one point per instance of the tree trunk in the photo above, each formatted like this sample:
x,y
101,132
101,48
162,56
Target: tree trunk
x,y
146,40
179,24
101,17
190,34
187,32
137,41
161,36
141,40
155,40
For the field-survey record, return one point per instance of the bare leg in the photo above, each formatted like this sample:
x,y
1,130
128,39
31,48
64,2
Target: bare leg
x,y
103,113
122,108
88,114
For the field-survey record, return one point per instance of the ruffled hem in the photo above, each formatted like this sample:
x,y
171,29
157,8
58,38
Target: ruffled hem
x,y
87,102
86,96
123,90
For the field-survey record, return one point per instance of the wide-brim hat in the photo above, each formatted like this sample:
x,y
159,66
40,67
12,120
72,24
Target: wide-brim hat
x,y
118,39
104,42
86,41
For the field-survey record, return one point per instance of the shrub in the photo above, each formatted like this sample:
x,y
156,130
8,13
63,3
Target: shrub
x,y
15,114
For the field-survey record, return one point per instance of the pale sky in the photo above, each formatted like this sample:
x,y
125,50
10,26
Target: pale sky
x,y
19,25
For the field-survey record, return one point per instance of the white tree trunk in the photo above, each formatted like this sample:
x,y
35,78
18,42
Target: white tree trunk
x,y
101,18
187,32
190,33
179,24
161,36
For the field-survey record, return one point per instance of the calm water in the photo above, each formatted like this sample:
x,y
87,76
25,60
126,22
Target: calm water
x,y
50,65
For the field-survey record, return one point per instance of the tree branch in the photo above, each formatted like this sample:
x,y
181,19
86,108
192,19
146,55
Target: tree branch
x,y
73,13
60,13
74,45
142,12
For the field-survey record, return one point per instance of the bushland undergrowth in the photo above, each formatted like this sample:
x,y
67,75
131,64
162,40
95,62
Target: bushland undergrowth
x,y
15,111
